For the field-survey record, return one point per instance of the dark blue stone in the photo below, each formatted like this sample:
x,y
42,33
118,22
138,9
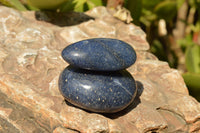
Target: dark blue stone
x,y
100,54
105,92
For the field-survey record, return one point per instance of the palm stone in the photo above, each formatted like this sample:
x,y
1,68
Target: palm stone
x,y
100,54
97,91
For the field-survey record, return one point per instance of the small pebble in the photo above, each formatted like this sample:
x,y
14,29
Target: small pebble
x,y
97,91
100,54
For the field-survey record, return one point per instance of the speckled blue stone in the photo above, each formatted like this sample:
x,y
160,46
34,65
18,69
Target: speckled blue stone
x,y
100,54
105,92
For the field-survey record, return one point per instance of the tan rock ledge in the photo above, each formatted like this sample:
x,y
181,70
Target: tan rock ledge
x,y
30,47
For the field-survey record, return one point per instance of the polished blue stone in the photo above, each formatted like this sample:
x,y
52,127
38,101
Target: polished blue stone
x,y
100,54
97,91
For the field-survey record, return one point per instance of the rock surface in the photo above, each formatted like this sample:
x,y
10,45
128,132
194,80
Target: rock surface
x,y
97,91
100,54
31,63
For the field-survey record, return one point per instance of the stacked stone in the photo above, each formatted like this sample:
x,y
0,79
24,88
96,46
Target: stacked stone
x,y
96,79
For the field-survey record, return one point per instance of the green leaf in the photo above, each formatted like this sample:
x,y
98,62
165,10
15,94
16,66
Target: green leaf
x,y
46,4
150,4
193,3
93,3
196,27
193,84
185,42
32,8
147,17
158,50
14,3
192,57
135,7
192,80
79,5
84,5
166,10
6,3
69,5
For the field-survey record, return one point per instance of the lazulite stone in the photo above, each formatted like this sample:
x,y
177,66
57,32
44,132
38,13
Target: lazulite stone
x,y
97,91
100,54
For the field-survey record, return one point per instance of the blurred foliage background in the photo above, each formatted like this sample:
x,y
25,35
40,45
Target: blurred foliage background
x,y
172,27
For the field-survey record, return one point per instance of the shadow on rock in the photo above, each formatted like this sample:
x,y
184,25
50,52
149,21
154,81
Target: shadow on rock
x,y
133,105
62,18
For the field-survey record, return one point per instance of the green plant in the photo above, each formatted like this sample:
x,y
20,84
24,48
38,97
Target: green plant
x,y
14,3
55,5
192,62
46,4
80,5
182,17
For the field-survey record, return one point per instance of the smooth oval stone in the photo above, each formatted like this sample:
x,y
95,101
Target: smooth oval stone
x,y
105,92
100,54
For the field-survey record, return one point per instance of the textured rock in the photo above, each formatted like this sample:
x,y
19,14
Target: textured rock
x,y
100,54
97,91
31,63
